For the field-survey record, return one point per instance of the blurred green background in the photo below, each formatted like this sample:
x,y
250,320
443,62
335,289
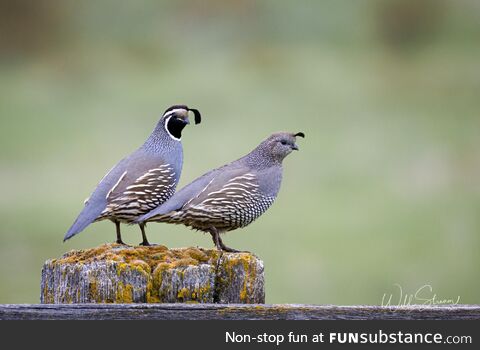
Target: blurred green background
x,y
384,191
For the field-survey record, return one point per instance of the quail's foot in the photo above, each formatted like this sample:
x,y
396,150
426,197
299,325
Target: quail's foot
x,y
224,248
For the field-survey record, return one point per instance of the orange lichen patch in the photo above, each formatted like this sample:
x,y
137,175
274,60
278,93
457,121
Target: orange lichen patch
x,y
92,289
247,263
151,262
124,293
139,256
124,274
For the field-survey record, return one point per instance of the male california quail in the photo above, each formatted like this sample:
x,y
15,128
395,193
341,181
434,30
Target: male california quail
x,y
231,196
141,181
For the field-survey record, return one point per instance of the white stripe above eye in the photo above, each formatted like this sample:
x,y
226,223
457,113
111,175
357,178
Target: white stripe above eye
x,y
173,111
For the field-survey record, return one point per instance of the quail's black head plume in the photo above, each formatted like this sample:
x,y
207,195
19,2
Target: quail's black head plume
x,y
141,181
231,196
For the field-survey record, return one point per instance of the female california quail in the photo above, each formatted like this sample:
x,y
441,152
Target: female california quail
x,y
231,196
141,181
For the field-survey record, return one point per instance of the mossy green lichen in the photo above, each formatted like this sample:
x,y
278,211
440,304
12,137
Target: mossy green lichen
x,y
155,274
124,293
230,264
92,289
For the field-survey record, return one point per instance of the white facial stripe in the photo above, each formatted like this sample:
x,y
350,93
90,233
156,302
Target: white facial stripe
x,y
173,111
168,132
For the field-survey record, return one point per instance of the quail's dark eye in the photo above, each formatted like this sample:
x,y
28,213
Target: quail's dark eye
x,y
283,142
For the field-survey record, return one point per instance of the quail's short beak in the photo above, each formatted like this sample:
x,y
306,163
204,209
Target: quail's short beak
x,y
184,118
295,147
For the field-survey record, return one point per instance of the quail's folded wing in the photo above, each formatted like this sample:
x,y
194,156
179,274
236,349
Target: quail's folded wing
x,y
228,199
233,200
181,197
139,191
131,188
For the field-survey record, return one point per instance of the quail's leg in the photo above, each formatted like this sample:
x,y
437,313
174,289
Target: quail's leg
x,y
218,241
144,236
119,235
215,237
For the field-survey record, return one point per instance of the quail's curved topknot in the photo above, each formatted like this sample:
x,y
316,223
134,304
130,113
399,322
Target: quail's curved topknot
x,y
301,134
196,113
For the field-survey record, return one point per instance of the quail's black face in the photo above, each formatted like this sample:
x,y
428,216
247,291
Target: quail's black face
x,y
175,124
176,118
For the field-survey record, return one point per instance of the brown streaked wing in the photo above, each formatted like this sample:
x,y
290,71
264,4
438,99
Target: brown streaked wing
x,y
220,183
142,195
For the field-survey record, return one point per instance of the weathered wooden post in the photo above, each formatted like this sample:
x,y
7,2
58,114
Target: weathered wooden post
x,y
113,273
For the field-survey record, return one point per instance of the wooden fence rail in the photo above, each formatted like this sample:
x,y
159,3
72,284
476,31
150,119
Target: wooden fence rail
x,y
233,312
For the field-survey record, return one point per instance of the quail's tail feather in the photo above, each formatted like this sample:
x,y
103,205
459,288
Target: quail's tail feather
x,y
86,217
159,212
